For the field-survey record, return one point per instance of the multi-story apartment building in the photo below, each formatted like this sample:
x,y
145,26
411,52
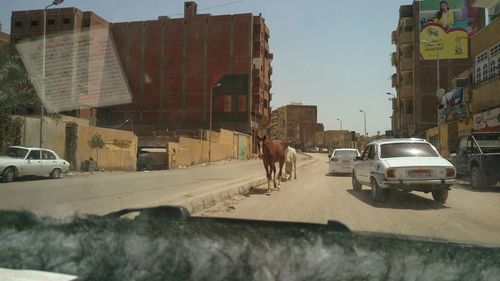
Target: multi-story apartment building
x,y
296,122
175,65
415,80
485,51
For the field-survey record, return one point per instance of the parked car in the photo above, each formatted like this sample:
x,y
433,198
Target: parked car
x,y
342,160
314,149
477,157
404,164
31,161
324,150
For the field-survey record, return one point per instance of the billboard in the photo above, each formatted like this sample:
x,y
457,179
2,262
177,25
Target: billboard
x,y
445,27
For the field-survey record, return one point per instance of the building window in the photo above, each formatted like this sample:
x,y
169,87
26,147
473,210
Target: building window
x,y
34,22
478,75
66,21
493,69
485,72
86,22
18,24
51,21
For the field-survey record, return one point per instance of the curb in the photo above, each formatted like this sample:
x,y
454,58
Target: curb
x,y
199,204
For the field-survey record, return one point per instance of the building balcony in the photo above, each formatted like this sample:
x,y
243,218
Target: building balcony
x,y
405,37
485,96
395,104
394,59
407,119
394,80
405,24
406,91
394,37
406,64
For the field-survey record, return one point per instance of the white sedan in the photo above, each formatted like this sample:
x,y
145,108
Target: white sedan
x,y
342,160
31,161
405,164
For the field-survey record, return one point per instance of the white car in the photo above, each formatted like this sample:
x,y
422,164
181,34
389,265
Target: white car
x,y
405,164
31,161
342,160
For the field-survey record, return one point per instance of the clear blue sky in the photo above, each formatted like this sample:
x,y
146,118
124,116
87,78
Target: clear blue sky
x,y
331,53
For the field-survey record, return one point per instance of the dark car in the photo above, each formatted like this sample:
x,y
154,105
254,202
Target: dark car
x,y
477,157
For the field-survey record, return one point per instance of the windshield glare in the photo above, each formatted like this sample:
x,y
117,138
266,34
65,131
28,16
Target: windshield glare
x,y
16,152
395,150
345,153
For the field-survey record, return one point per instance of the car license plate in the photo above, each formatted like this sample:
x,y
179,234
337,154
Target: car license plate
x,y
419,173
346,161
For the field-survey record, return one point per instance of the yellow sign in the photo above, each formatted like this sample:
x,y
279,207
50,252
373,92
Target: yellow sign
x,y
450,45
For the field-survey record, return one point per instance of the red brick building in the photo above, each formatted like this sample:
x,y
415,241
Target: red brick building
x,y
172,64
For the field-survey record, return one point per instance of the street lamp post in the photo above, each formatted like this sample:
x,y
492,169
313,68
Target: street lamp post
x,y
42,114
210,125
393,111
340,123
364,119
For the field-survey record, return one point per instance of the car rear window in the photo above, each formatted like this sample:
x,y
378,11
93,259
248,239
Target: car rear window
x,y
345,153
393,150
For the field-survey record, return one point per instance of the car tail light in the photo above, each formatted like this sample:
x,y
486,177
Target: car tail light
x,y
450,172
391,173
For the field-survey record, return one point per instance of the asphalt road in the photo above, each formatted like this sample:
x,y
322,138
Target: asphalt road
x,y
467,216
102,193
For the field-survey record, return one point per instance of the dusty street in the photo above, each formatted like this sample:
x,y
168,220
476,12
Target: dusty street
x,y
468,215
107,192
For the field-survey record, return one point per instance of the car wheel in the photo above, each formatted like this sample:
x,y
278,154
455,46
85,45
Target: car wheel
x,y
356,185
379,195
8,175
478,179
440,195
56,173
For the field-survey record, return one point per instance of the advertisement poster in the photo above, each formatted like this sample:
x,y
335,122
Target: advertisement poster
x,y
487,121
445,27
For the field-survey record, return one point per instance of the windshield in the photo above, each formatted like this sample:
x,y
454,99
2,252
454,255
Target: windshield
x,y
16,152
488,143
131,104
394,150
345,153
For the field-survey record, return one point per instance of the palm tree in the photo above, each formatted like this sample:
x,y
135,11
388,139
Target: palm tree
x,y
16,91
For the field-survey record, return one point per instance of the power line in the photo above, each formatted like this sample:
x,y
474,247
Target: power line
x,y
212,7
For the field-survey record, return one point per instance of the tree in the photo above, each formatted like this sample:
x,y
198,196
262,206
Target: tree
x,y
96,142
16,91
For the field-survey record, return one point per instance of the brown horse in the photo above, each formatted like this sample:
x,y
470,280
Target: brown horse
x,y
271,151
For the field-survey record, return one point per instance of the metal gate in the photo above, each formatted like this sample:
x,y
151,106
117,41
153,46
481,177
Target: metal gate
x,y
242,148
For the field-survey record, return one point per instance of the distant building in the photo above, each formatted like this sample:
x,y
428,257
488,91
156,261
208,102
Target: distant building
x,y
297,123
4,37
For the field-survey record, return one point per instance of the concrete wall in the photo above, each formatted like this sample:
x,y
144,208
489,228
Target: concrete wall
x,y
119,153
190,151
54,133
